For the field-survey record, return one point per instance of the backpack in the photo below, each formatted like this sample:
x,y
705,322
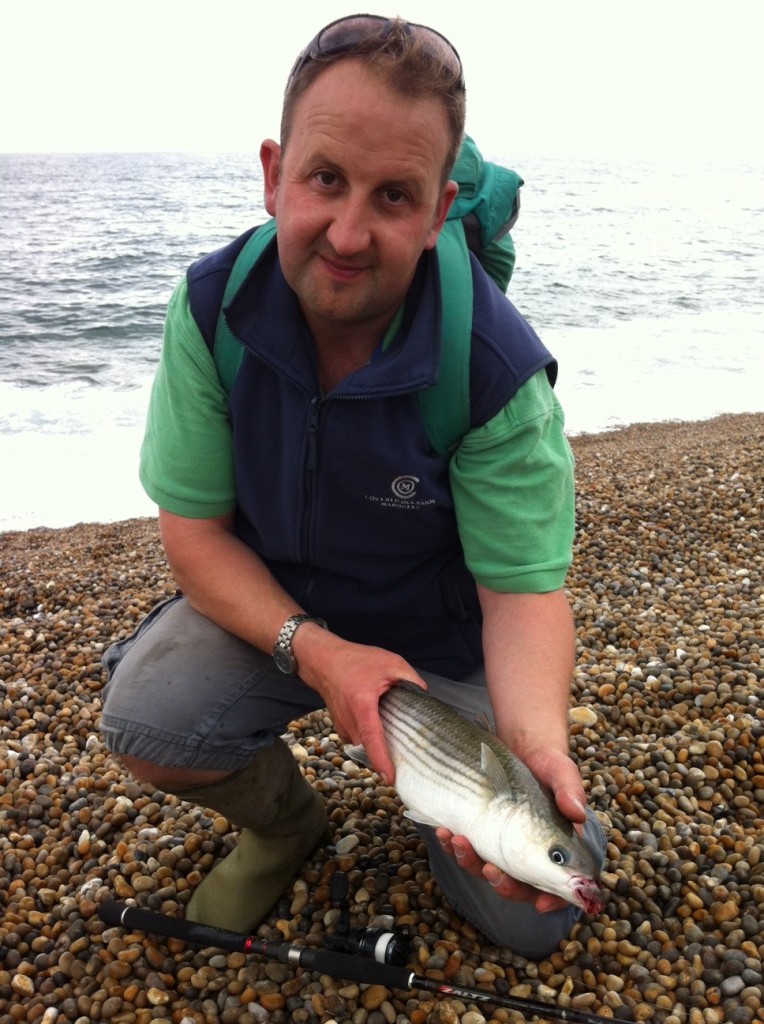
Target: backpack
x,y
479,221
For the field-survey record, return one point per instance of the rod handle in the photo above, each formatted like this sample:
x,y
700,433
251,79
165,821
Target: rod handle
x,y
137,919
327,961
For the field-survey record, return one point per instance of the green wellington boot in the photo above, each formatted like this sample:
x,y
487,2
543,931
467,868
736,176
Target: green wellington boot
x,y
283,819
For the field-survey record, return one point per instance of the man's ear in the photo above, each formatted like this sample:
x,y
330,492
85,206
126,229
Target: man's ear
x,y
270,158
447,196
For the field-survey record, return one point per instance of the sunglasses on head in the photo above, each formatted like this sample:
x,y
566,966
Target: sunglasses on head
x,y
346,33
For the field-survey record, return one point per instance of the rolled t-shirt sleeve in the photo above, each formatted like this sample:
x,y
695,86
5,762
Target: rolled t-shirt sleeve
x,y
186,464
513,489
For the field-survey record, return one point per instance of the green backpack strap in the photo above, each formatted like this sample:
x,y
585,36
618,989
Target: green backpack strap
x,y
227,352
446,405
489,199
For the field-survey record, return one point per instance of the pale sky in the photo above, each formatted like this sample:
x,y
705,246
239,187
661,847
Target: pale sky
x,y
673,78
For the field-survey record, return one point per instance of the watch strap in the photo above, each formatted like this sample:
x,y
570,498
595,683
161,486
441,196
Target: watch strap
x,y
282,650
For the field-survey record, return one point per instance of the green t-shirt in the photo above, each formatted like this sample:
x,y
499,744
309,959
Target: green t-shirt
x,y
512,479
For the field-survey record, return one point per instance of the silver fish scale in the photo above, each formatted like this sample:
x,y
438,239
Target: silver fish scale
x,y
421,727
417,728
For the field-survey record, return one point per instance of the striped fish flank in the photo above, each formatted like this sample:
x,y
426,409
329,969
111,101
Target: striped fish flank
x,y
449,772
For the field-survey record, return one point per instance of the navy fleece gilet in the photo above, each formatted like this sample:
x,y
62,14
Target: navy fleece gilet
x,y
342,495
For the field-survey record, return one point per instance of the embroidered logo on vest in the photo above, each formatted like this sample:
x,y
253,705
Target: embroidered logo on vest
x,y
404,487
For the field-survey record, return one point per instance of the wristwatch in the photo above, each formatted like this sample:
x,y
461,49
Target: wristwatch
x,y
282,651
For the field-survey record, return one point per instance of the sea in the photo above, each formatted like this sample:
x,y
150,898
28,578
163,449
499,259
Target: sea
x,y
645,279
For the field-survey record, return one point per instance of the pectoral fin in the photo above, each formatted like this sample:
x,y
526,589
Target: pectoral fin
x,y
420,818
357,752
492,769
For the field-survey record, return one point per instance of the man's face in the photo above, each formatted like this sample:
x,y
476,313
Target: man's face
x,y
357,198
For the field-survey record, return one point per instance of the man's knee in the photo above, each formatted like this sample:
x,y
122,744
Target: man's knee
x,y
168,778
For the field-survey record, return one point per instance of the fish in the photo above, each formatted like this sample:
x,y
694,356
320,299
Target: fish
x,y
452,773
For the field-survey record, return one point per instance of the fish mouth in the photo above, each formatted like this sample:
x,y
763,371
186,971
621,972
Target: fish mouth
x,y
587,894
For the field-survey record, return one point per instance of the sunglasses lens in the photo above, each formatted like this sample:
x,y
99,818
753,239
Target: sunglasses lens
x,y
346,33
440,47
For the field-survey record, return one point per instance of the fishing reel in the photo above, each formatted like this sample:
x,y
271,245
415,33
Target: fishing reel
x,y
374,943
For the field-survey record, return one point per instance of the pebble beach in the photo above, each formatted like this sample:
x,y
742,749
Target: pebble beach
x,y
667,726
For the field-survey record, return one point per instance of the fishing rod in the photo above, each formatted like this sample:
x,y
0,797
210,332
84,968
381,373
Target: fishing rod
x,y
336,964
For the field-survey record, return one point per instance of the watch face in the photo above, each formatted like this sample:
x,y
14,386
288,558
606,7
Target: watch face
x,y
284,661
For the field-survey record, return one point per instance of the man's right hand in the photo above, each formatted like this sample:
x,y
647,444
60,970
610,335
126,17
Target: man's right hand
x,y
351,678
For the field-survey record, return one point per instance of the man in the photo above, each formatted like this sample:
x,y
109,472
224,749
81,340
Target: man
x,y
275,504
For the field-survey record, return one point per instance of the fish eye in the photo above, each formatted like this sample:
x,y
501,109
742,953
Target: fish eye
x,y
559,855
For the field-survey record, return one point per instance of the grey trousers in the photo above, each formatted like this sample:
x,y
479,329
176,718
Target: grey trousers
x,y
183,692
